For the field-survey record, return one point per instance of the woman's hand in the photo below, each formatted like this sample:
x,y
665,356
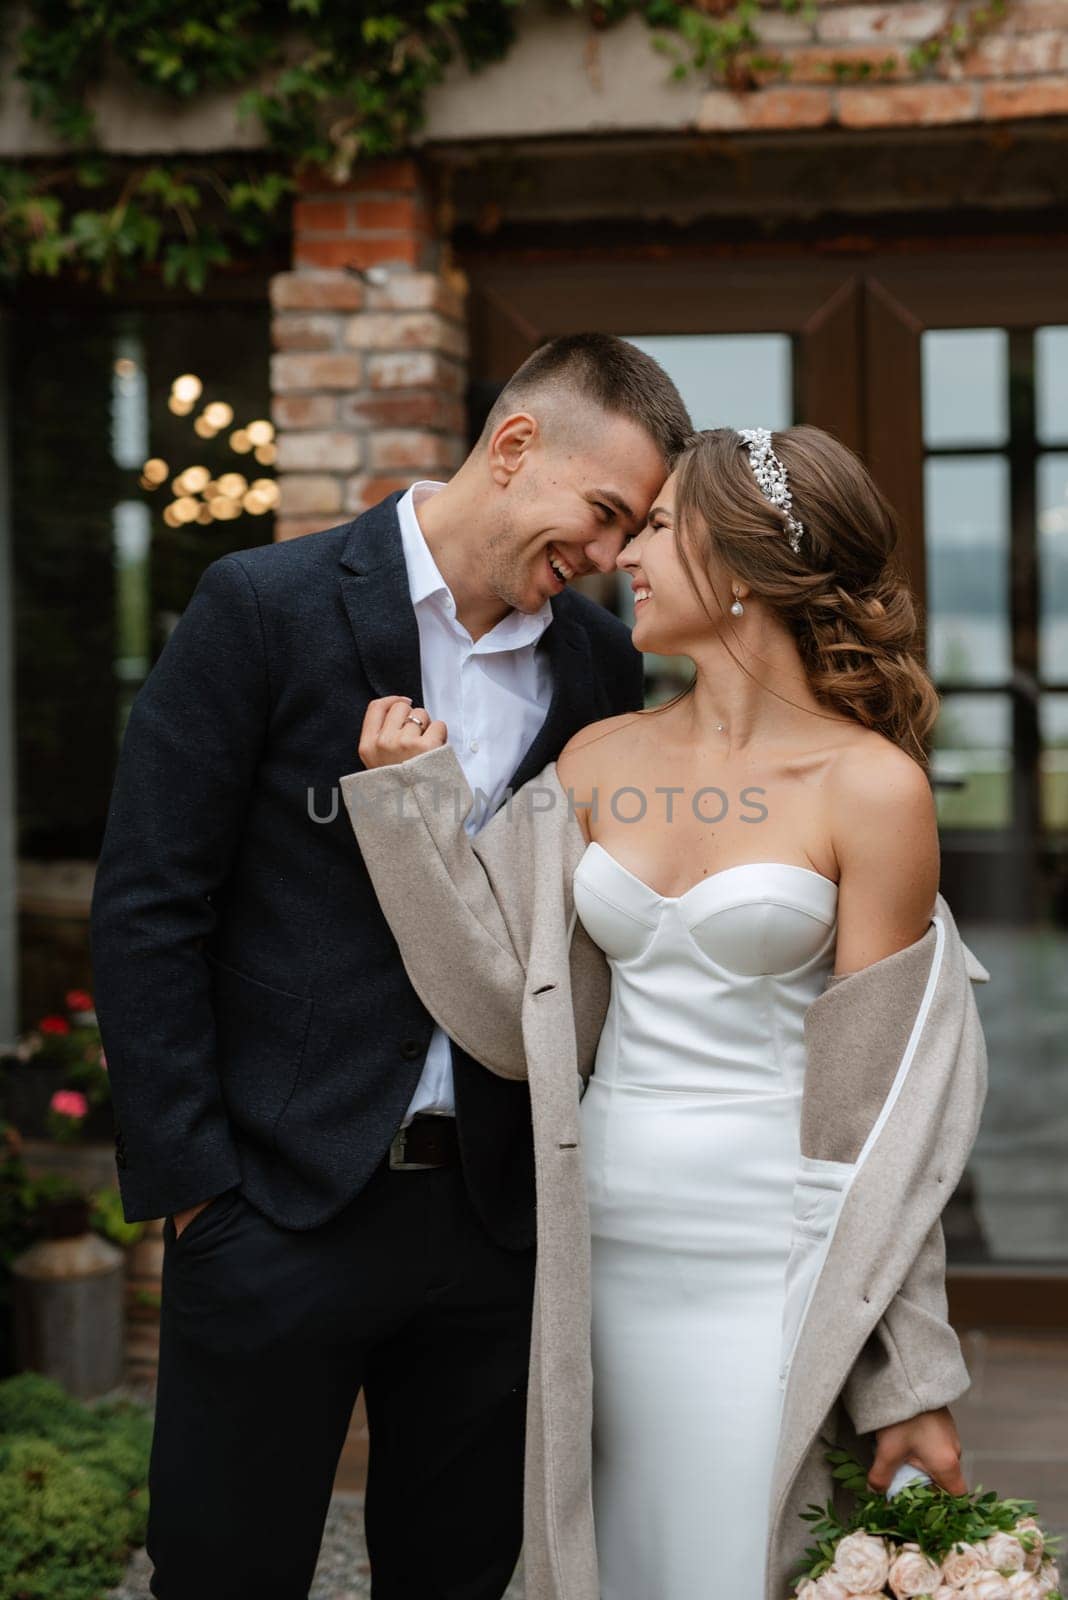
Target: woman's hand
x,y
930,1441
395,730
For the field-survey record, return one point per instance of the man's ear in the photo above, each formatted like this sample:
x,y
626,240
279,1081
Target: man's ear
x,y
509,445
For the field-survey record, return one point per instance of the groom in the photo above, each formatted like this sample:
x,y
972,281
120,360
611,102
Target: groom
x,y
348,1196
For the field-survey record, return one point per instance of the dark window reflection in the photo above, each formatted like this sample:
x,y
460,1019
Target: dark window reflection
x,y
107,551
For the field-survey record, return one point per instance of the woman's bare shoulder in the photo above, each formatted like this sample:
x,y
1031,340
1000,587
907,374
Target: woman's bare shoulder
x,y
590,756
883,815
873,779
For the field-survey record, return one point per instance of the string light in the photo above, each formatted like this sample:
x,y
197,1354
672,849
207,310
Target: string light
x,y
188,388
198,497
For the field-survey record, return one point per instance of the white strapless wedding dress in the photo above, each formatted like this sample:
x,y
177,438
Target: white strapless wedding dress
x,y
690,1133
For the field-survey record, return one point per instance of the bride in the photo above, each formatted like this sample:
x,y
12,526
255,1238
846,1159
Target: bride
x,y
738,853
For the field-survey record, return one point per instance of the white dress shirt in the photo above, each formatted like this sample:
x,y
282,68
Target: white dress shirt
x,y
492,694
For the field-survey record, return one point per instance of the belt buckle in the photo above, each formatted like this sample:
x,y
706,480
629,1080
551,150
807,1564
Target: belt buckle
x,y
397,1162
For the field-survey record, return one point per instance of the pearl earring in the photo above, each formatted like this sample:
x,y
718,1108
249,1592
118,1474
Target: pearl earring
x,y
737,608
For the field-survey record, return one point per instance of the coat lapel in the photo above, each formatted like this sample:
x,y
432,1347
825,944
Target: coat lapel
x,y
374,589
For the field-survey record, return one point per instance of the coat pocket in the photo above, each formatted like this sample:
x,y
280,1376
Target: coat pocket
x,y
260,1036
819,1191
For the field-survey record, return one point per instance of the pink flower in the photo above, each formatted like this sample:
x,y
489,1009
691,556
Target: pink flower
x,y
103,1060
78,1000
911,1573
963,1565
53,1025
69,1103
988,1586
1024,1586
862,1561
1049,1577
831,1587
1034,1536
1002,1552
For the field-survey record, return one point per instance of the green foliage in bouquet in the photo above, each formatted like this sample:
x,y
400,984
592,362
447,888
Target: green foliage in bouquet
x,y
73,1490
921,1513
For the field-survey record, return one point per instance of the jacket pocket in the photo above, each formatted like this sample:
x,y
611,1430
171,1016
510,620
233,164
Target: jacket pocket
x,y
819,1191
260,1033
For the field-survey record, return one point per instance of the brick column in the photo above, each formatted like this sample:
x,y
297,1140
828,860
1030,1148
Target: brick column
x,y
370,368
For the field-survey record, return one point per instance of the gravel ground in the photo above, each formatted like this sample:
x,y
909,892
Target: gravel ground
x,y
342,1573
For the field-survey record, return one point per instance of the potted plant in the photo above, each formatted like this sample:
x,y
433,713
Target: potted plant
x,y
55,1080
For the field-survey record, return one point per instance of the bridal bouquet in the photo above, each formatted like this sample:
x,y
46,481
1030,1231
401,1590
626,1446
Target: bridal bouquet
x,y
925,1544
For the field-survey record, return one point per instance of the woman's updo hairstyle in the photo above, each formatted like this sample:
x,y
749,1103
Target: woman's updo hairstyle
x,y
843,596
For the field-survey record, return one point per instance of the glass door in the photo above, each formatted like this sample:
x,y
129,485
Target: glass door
x,y
969,369
953,385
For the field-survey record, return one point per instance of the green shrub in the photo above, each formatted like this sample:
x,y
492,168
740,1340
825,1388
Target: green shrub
x,y
73,1494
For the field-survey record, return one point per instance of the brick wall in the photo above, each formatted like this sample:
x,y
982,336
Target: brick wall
x,y
370,363
848,66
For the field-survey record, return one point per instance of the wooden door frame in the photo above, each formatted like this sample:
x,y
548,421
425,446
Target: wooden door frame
x,y
859,320
515,305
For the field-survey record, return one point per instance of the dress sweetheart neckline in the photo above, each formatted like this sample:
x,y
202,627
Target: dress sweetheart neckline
x,y
741,866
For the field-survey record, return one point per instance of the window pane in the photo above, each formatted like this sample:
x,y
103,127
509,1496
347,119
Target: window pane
x,y
729,380
1017,1172
1051,385
972,759
1054,726
965,387
103,567
967,510
1053,566
736,380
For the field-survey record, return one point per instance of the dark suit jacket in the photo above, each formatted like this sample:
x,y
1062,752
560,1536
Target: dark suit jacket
x,y
259,1026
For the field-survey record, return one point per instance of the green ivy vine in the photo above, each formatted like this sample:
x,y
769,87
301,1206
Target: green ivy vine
x,y
329,82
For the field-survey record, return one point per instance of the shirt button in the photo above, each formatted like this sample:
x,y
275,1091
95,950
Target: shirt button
x,y
473,745
410,1049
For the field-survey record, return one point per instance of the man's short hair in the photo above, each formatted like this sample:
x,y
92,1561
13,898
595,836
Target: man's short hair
x,y
606,371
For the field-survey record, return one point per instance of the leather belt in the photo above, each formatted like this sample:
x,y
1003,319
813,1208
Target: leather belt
x,y
427,1141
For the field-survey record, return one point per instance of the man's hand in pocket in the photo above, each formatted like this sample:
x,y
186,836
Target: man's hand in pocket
x,y
183,1217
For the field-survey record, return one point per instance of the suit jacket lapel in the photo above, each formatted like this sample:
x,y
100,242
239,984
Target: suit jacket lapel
x,y
574,699
374,589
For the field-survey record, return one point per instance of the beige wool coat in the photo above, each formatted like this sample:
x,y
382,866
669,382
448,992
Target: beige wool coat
x,y
894,1085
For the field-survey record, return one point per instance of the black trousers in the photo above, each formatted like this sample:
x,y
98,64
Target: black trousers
x,y
267,1336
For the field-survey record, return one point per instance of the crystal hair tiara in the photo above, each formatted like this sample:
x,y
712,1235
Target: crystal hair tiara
x,y
770,474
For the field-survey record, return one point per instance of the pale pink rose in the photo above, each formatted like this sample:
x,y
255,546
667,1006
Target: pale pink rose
x,y
807,1591
913,1573
963,1565
831,1587
1002,1552
988,1586
1033,1558
69,1103
946,1592
1024,1586
862,1562
1049,1577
